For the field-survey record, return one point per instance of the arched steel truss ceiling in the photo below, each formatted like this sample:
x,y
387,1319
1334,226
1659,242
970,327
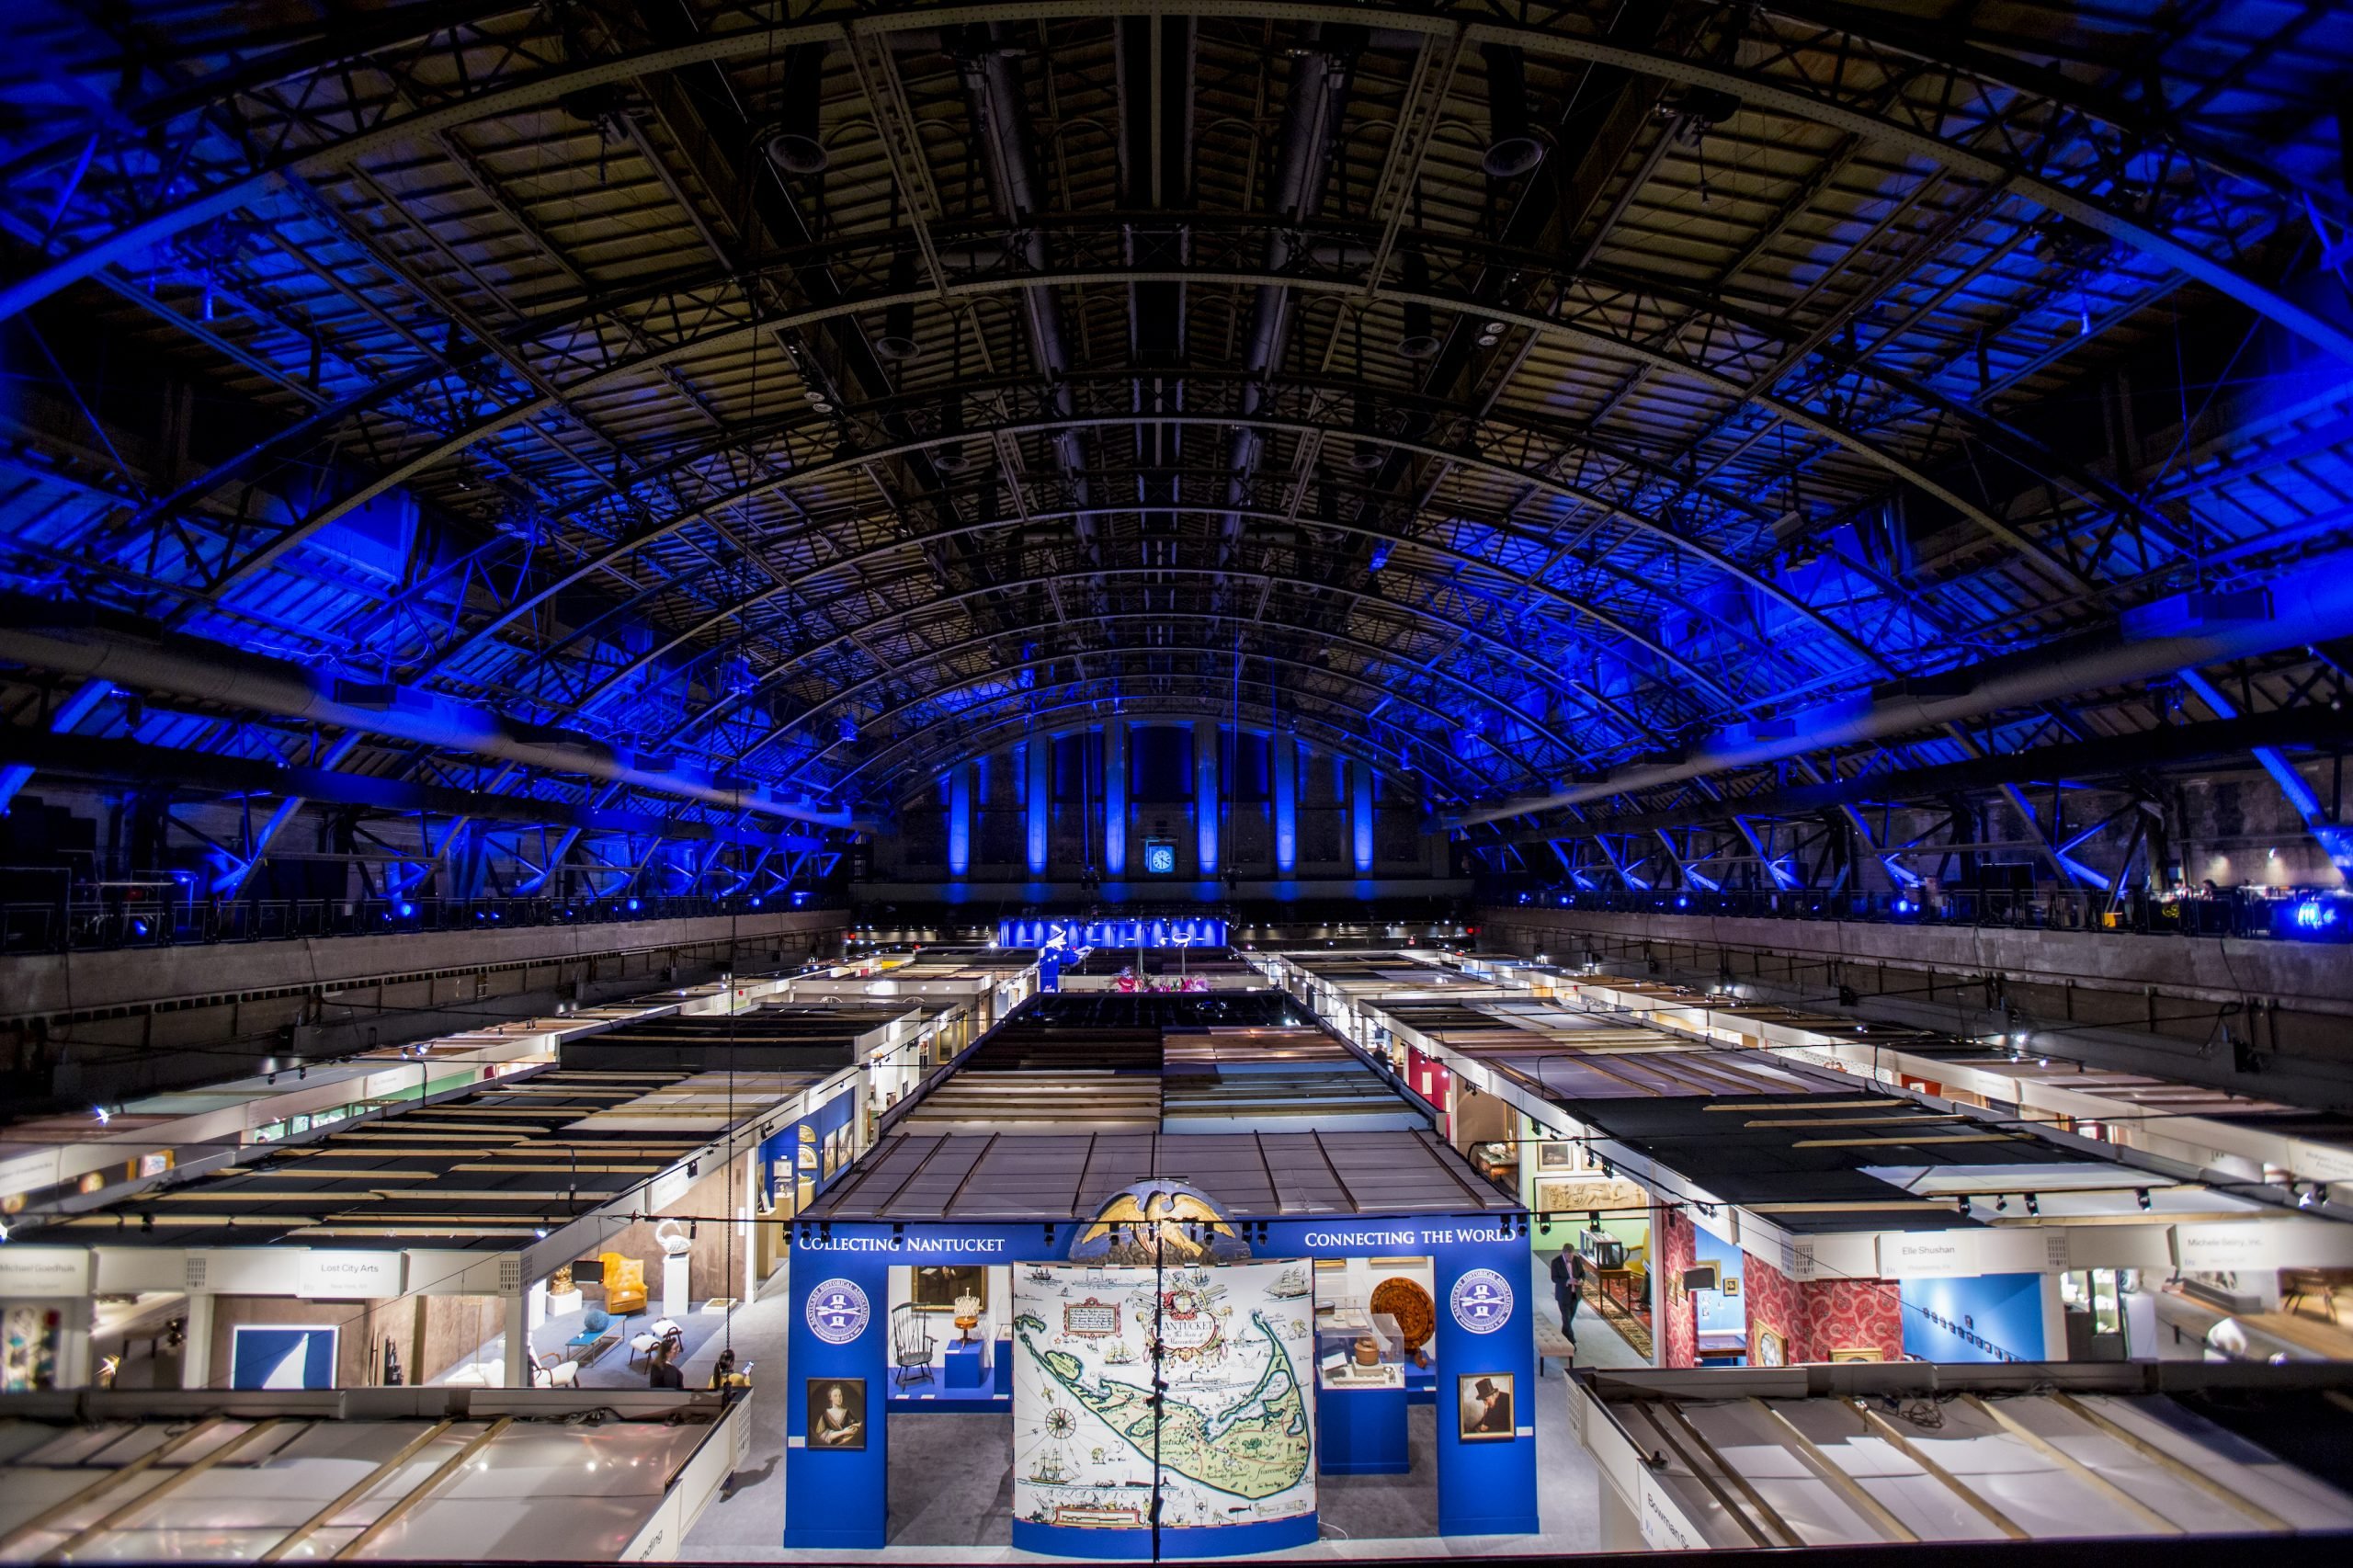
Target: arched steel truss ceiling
x,y
1435,762
1791,96
869,255
1542,672
1654,499
743,334
1037,631
939,745
815,472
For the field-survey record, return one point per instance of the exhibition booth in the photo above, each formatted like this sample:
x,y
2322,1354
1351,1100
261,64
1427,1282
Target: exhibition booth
x,y
534,1229
405,1475
1864,1456
1289,1294
1740,1200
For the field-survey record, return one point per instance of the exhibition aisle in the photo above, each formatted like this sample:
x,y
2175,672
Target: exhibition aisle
x,y
1599,1344
746,1522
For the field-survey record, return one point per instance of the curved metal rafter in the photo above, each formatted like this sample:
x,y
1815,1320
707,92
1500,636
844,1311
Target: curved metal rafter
x,y
851,639
1038,629
1702,414
922,751
1792,94
1438,762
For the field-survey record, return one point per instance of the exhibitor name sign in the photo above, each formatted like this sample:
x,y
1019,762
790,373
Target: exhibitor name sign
x,y
349,1276
32,1273
1928,1254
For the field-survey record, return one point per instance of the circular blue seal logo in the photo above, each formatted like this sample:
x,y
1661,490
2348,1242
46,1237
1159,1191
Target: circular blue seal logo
x,y
1481,1301
838,1311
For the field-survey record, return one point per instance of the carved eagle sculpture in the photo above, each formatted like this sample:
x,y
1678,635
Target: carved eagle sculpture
x,y
1159,1222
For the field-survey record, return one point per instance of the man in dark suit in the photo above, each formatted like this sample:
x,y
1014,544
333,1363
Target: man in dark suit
x,y
1493,1409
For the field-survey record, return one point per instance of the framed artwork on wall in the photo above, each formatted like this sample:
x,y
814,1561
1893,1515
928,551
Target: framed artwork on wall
x,y
935,1288
1483,1407
1858,1353
1554,1156
838,1413
1770,1352
1732,1285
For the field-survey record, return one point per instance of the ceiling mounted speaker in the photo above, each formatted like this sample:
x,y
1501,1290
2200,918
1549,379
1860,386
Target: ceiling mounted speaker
x,y
794,146
1419,340
1512,150
798,154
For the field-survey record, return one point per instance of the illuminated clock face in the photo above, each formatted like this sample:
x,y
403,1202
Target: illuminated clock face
x,y
1160,858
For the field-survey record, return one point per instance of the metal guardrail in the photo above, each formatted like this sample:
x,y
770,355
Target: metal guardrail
x,y
161,915
2312,918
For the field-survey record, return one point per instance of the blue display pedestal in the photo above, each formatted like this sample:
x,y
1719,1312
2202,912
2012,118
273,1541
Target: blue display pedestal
x,y
967,1366
1360,1432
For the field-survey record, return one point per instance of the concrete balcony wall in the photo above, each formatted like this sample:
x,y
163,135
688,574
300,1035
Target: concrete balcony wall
x,y
2265,1017
101,1025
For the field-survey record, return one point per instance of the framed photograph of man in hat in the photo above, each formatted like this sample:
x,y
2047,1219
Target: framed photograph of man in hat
x,y
1483,1407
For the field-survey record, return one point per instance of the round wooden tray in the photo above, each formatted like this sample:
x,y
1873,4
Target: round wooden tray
x,y
1411,1305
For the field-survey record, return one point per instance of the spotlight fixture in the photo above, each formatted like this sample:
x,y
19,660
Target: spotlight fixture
x,y
2002,1204
2033,1204
2144,1197
2311,1195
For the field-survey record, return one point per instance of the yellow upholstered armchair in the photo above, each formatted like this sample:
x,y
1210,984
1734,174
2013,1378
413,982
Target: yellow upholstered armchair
x,y
624,1283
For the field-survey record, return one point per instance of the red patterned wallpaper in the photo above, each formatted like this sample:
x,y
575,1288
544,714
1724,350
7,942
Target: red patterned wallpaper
x,y
1772,1299
1676,1320
1818,1316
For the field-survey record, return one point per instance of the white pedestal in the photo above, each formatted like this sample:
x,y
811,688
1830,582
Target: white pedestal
x,y
538,1304
675,1270
563,1302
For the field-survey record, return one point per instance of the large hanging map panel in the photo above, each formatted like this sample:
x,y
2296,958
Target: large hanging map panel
x,y
1236,1444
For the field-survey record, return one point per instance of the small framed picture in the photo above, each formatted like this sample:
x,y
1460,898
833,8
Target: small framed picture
x,y
1732,1285
1484,1412
1554,1156
838,1413
1857,1352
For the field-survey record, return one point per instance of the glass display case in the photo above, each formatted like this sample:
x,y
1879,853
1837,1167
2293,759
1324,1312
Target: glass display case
x,y
1357,1349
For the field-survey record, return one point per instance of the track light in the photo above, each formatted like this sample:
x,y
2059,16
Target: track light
x,y
2144,1197
2002,1204
2033,1204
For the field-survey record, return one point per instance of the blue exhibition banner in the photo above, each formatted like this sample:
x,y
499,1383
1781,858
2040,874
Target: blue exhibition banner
x,y
1059,935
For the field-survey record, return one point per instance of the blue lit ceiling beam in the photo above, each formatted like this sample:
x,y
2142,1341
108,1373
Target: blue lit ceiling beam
x,y
1445,721
926,748
807,657
2315,605
2336,841
142,219
736,337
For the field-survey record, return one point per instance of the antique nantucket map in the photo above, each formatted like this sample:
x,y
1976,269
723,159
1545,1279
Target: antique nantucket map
x,y
1236,1438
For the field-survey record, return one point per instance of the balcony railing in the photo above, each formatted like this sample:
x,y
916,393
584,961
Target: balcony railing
x,y
2303,917
163,916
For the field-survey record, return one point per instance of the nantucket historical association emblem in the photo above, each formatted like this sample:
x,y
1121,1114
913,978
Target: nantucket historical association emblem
x,y
1481,1301
838,1311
